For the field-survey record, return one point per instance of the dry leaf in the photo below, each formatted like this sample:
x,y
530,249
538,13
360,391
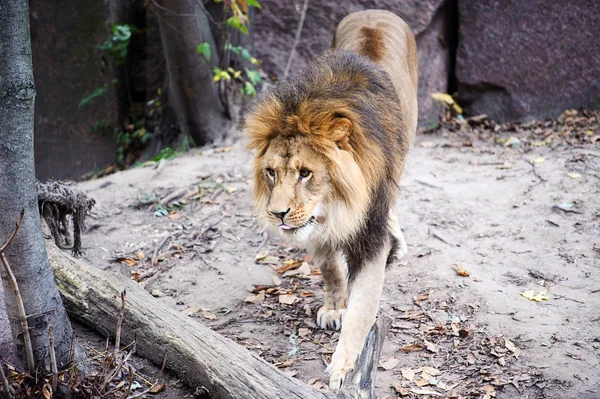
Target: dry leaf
x,y
288,299
139,255
460,270
430,370
268,260
409,374
191,311
402,391
289,266
224,149
431,347
303,332
129,261
538,160
505,165
258,298
276,280
421,382
422,297
47,391
284,364
489,391
412,348
532,296
574,175
303,270
261,255
425,392
388,363
511,347
157,388
208,315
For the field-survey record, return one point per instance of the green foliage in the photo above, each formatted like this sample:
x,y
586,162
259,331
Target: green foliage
x,y
163,210
100,125
204,50
98,92
128,139
165,153
116,45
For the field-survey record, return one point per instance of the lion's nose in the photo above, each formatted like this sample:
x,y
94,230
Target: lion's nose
x,y
279,214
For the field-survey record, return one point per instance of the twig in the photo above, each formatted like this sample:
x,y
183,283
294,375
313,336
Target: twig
x,y
120,322
7,388
139,395
155,255
52,358
297,38
108,379
19,300
130,382
12,236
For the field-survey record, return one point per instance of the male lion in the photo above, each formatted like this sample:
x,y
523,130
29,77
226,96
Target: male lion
x,y
331,145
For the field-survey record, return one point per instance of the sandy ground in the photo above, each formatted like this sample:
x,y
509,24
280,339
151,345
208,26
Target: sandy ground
x,y
517,217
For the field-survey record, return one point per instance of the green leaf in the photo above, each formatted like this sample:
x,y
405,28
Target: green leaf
x,y
246,55
249,89
254,76
204,50
253,3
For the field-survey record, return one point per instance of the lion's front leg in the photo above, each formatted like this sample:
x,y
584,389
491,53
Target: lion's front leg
x,y
336,292
365,292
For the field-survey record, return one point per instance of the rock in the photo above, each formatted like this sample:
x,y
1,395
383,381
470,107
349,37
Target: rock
x,y
528,59
276,25
66,68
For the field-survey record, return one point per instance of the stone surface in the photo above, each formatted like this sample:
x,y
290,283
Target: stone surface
x,y
67,67
277,22
528,59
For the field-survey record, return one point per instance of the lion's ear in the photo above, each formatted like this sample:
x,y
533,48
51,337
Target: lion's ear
x,y
341,130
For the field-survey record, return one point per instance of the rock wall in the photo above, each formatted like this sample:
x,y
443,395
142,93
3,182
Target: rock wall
x,y
528,59
67,67
276,25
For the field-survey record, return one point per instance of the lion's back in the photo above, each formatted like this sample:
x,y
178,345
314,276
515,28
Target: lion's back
x,y
386,40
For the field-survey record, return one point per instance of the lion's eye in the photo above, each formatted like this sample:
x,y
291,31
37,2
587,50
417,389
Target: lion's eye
x,y
270,172
304,173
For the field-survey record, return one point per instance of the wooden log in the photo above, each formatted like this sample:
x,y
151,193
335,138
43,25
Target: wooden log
x,y
202,357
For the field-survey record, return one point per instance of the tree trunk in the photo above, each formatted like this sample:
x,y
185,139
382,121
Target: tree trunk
x,y
27,254
193,100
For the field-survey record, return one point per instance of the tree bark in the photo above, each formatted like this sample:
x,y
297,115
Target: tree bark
x,y
193,99
196,353
27,254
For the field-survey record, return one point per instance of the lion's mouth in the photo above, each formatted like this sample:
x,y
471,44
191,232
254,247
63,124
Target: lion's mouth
x,y
291,230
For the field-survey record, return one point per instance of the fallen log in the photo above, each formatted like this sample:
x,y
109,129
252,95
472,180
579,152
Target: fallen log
x,y
197,354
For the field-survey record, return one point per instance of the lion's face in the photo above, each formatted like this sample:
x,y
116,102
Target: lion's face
x,y
299,186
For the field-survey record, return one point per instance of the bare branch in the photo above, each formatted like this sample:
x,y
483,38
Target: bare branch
x,y
296,39
18,299
52,358
12,236
6,388
120,322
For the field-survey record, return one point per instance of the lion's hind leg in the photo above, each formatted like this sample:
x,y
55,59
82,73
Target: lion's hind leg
x,y
333,269
399,248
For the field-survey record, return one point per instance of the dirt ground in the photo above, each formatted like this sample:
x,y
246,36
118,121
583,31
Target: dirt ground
x,y
517,207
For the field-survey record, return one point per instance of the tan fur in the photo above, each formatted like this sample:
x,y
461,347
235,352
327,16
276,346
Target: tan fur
x,y
330,148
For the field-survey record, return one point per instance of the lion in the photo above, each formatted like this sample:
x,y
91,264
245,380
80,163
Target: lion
x,y
330,147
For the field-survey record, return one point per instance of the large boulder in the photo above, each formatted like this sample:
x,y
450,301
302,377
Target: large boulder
x,y
528,59
66,68
276,25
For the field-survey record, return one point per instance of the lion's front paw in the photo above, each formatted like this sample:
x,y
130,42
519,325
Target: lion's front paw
x,y
330,318
338,369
